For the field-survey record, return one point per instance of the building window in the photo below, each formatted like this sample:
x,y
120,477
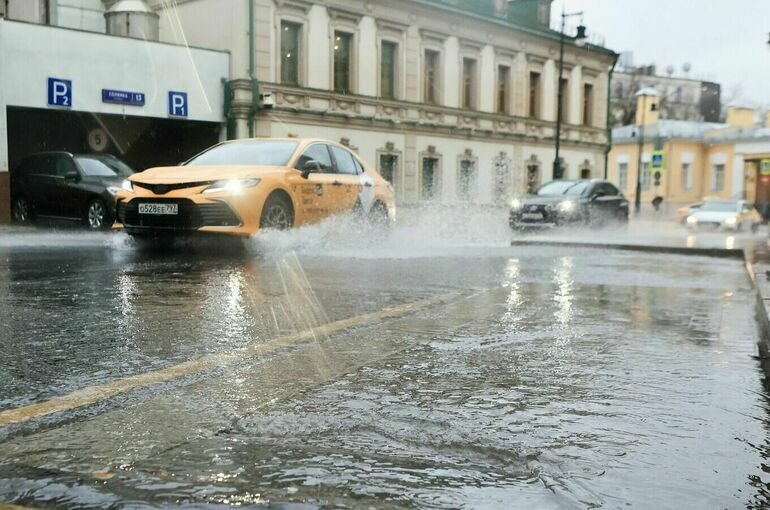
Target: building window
x,y
534,95
431,78
466,180
343,62
388,70
430,178
645,177
503,88
686,176
564,91
290,34
389,167
623,176
588,104
469,83
718,178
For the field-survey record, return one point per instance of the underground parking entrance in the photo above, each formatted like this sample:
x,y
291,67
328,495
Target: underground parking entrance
x,y
140,142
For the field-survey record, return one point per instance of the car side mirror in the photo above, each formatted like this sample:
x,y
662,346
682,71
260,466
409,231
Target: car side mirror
x,y
71,177
309,167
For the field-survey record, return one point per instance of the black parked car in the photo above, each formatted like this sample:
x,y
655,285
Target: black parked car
x,y
579,202
64,186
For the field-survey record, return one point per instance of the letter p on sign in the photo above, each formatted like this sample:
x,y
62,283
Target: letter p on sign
x,y
177,104
59,92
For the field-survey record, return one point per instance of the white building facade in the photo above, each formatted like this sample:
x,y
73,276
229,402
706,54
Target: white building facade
x,y
450,104
453,101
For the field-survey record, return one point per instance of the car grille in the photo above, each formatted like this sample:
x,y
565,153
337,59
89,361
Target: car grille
x,y
191,215
547,212
162,189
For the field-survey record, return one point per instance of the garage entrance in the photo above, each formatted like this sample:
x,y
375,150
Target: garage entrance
x,y
142,142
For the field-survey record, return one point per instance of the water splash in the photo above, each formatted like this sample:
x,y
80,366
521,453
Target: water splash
x,y
427,231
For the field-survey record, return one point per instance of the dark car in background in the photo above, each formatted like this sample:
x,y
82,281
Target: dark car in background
x,y
570,202
64,186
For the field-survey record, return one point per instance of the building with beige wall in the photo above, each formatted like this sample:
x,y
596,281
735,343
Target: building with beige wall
x,y
451,100
703,160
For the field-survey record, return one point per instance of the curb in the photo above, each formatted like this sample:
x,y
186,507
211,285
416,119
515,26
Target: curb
x,y
762,316
671,250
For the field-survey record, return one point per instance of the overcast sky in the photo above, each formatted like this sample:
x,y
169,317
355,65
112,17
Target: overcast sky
x,y
724,40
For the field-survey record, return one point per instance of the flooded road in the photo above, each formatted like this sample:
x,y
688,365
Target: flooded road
x,y
396,373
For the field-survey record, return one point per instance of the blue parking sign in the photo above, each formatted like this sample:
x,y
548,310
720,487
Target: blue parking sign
x,y
59,92
177,104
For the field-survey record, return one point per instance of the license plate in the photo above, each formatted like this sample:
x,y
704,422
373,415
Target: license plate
x,y
159,209
532,216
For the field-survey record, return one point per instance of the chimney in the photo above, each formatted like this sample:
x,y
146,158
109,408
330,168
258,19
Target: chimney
x,y
132,18
740,116
647,106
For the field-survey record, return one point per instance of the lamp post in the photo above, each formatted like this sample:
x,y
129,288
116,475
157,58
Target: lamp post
x,y
641,100
580,41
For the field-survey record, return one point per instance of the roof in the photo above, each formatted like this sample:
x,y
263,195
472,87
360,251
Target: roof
x,y
521,15
707,132
682,129
130,6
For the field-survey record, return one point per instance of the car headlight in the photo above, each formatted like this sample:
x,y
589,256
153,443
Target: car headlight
x,y
231,185
692,220
566,206
731,220
516,204
112,190
126,185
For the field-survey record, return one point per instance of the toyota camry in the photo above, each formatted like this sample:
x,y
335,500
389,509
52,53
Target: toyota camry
x,y
240,187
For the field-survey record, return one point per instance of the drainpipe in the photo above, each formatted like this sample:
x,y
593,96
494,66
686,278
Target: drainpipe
x,y
609,119
252,74
228,108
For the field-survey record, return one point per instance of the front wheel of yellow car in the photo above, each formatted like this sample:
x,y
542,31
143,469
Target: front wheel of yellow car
x,y
277,214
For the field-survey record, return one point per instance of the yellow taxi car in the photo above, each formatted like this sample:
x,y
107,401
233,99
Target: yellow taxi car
x,y
241,187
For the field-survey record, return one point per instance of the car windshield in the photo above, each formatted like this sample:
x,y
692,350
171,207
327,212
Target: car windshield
x,y
259,153
556,188
103,166
719,207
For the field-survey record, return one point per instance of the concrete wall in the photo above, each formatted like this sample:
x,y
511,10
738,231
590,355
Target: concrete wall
x,y
31,54
79,14
191,23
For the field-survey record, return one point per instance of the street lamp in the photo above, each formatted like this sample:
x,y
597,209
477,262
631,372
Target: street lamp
x,y
580,41
641,99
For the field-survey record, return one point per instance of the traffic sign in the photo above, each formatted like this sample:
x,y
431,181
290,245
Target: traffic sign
x,y
59,92
658,161
177,104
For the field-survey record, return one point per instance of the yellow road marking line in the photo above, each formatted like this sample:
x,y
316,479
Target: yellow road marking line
x,y
13,507
93,394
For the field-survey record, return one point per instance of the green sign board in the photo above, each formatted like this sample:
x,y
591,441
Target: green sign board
x,y
764,167
658,161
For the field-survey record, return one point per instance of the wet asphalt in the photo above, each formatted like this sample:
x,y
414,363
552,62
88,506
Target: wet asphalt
x,y
505,376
